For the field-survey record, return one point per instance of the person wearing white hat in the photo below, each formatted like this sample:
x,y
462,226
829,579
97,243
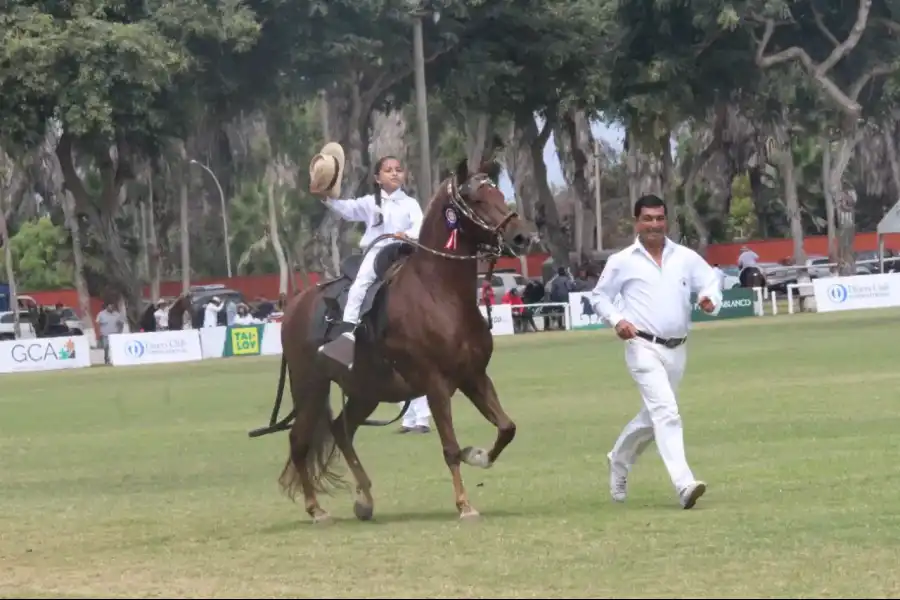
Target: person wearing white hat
x,y
388,209
211,312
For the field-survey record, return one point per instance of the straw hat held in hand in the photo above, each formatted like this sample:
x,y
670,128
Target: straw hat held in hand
x,y
326,169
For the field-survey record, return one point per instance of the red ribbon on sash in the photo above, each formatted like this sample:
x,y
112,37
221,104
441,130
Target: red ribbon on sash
x,y
451,241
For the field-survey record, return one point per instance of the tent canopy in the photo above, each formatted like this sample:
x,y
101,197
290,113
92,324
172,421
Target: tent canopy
x,y
890,223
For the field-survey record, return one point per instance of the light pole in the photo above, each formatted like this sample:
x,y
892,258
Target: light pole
x,y
598,209
224,214
425,181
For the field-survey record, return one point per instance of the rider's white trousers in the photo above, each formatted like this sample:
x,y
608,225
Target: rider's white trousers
x,y
364,280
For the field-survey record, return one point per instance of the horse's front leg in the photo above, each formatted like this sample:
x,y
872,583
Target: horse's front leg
x,y
480,390
439,402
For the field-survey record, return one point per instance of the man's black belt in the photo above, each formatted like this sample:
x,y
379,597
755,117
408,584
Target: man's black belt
x,y
667,342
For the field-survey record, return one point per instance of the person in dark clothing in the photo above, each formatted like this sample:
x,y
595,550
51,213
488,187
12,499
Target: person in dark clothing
x,y
560,286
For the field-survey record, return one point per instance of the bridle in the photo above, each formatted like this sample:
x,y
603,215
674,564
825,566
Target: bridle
x,y
458,195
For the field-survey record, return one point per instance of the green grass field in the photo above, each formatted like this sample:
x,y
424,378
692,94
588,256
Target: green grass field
x,y
141,482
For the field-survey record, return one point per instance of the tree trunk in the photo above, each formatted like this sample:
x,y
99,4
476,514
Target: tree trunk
x,y
547,217
10,271
101,217
84,297
477,138
575,147
517,159
668,186
349,114
844,203
829,200
184,222
643,170
789,183
152,243
274,231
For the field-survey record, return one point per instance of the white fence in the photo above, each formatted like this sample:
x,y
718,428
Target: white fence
x,y
134,349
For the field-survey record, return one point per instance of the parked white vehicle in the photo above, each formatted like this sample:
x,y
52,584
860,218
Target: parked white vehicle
x,y
8,326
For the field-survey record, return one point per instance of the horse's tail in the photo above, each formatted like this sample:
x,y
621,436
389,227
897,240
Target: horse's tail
x,y
311,441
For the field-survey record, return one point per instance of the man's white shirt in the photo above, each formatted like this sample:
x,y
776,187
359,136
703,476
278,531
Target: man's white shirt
x,y
655,299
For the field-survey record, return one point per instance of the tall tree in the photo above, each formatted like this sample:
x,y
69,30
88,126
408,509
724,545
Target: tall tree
x,y
122,80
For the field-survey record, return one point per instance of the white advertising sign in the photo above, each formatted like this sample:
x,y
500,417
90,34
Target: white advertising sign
x,y
180,345
45,354
212,341
582,311
501,315
271,343
857,292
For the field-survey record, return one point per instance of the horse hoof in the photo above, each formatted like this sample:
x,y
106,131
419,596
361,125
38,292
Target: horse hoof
x,y
469,514
363,512
322,518
476,457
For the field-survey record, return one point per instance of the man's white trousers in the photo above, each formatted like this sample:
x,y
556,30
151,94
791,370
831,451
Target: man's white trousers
x,y
364,280
657,370
418,415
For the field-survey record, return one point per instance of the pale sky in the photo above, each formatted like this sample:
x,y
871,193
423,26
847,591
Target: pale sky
x,y
614,135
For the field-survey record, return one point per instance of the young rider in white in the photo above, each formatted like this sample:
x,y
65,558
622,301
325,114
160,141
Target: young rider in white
x,y
388,210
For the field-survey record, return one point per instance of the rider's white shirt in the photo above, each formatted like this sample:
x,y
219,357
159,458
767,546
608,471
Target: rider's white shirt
x,y
402,214
747,258
655,299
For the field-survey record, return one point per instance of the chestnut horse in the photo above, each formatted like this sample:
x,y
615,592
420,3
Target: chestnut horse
x,y
434,341
180,306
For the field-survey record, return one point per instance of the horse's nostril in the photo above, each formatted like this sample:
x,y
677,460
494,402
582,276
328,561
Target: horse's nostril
x,y
519,239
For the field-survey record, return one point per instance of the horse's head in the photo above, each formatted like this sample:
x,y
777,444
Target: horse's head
x,y
177,310
485,217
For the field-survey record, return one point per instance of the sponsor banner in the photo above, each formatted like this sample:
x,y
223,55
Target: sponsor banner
x,y
501,315
736,303
271,344
241,340
45,354
857,292
582,313
154,347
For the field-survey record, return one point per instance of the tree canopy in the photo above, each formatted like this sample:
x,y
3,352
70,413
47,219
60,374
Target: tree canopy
x,y
785,110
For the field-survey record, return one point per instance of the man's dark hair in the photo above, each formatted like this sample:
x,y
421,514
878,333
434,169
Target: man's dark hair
x,y
649,201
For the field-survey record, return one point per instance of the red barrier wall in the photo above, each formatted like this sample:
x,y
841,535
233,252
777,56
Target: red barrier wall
x,y
774,250
266,286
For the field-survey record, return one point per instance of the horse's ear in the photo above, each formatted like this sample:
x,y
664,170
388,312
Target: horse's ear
x,y
462,172
492,169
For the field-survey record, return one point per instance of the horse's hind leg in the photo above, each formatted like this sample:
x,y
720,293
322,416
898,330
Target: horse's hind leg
x,y
343,428
480,390
308,444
